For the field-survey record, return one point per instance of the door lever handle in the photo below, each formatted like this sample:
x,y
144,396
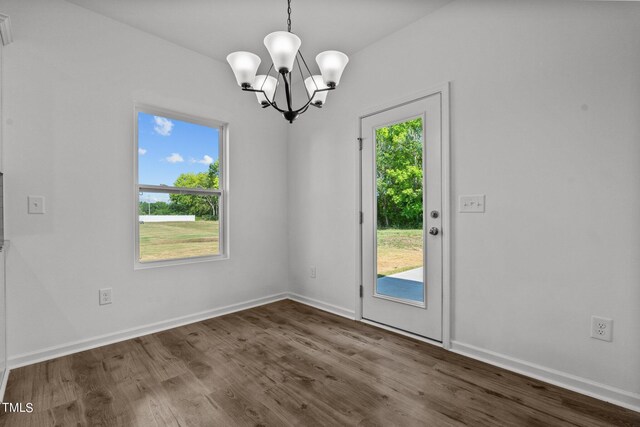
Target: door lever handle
x,y
434,231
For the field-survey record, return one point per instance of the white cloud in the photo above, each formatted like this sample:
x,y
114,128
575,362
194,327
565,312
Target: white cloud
x,y
174,158
162,126
205,160
142,151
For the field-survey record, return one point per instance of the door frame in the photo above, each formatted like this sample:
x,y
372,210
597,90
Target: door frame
x,y
443,90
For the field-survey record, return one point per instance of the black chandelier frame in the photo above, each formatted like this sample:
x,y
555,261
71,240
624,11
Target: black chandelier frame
x,y
289,114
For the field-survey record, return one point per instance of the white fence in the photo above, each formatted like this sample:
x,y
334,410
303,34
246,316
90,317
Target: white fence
x,y
167,218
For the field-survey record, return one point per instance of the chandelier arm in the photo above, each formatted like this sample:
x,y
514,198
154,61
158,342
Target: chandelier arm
x,y
302,76
269,70
272,104
291,86
265,80
320,90
304,109
275,91
308,70
306,105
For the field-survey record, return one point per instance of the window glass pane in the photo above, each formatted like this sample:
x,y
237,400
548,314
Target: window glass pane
x,y
177,153
399,182
174,226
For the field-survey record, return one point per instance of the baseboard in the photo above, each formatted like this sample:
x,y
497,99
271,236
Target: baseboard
x,y
321,305
561,379
87,344
3,385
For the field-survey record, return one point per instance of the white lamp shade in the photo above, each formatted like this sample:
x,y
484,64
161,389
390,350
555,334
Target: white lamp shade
x,y
244,66
332,63
314,83
268,86
283,48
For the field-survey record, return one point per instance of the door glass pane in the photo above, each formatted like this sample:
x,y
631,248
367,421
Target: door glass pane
x,y
399,182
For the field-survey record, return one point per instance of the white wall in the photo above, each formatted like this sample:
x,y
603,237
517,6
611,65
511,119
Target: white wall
x,y
545,122
71,79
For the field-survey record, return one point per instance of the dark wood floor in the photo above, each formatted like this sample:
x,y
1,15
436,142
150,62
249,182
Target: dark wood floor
x,y
288,364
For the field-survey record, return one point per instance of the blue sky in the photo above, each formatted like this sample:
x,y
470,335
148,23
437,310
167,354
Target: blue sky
x,y
168,148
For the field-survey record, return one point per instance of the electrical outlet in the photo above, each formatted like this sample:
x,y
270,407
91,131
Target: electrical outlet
x,y
601,328
105,296
312,270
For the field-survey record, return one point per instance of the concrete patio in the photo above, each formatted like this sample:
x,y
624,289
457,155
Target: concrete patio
x,y
407,285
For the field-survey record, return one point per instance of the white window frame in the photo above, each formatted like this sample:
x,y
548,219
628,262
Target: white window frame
x,y
221,192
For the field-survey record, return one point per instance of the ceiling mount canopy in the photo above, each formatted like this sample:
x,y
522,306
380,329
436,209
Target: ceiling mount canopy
x,y
284,49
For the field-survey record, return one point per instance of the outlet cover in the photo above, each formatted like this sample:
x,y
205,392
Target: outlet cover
x,y
601,328
105,296
312,271
471,204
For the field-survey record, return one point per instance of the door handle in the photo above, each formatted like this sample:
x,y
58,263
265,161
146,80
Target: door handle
x,y
434,231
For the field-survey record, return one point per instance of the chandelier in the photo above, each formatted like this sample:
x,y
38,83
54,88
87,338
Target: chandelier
x,y
284,49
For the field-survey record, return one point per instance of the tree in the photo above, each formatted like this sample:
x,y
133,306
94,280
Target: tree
x,y
213,175
199,205
155,208
399,175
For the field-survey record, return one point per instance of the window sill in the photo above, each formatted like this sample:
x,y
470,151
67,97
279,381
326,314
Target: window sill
x,y
173,262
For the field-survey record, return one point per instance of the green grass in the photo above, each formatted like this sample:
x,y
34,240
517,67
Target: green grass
x,y
172,240
398,251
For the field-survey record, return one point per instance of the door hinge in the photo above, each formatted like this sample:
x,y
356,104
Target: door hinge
x,y
361,291
361,217
360,144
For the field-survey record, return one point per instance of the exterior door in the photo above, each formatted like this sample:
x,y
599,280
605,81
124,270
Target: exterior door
x,y
402,217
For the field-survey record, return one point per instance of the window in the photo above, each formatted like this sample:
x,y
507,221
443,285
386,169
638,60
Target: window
x,y
180,188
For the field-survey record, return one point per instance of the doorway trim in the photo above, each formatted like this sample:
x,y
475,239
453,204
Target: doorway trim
x,y
443,90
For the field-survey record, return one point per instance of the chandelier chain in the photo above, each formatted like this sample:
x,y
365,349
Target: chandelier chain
x,y
289,15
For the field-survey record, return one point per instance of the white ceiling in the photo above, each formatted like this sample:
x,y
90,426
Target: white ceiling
x,y
216,28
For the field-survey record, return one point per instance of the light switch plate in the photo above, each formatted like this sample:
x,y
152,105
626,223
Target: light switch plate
x,y
473,203
36,204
